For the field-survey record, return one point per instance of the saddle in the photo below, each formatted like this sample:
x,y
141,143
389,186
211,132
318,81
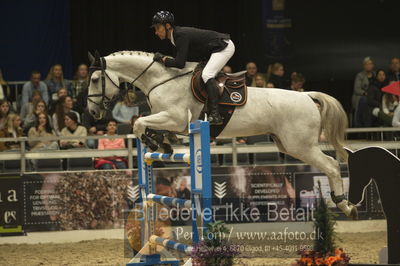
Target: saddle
x,y
232,87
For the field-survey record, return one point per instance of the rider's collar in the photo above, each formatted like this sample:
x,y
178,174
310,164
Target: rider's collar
x,y
172,37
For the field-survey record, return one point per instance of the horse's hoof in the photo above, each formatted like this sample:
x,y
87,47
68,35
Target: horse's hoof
x,y
167,148
354,212
172,138
350,210
149,143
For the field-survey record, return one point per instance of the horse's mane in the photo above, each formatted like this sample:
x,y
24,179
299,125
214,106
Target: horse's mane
x,y
131,53
190,65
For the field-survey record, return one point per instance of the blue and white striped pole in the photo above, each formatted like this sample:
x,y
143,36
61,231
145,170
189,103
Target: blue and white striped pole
x,y
169,201
171,244
165,157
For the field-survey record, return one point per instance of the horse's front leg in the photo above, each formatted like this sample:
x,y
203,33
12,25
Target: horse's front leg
x,y
144,129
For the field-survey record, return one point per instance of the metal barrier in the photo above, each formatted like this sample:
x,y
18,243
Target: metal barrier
x,y
23,154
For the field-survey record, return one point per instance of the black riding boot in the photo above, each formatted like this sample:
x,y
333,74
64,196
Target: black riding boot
x,y
213,96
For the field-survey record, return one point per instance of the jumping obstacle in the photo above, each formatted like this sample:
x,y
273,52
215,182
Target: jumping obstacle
x,y
200,203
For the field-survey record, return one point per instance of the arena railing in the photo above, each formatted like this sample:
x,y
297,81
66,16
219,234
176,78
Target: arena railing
x,y
130,152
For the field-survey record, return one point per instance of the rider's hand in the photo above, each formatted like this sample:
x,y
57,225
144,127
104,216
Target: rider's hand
x,y
158,57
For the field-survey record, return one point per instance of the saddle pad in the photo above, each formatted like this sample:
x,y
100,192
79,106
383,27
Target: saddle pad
x,y
233,91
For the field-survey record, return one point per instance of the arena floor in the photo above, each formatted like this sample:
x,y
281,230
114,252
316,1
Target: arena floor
x,y
362,248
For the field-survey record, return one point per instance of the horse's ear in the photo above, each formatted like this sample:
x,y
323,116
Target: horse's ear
x,y
97,55
91,57
96,61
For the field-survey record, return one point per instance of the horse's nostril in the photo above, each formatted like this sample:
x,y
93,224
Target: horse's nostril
x,y
93,112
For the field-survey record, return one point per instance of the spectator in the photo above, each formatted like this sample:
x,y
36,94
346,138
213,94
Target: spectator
x,y
275,75
4,112
123,111
31,119
259,81
12,129
55,80
42,128
72,129
270,85
95,127
81,100
34,85
251,69
64,107
183,192
394,69
227,69
4,88
81,79
297,82
389,105
396,118
109,144
28,107
60,93
361,84
374,97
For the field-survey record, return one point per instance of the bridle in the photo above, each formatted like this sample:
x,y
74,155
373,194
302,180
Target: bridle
x,y
105,101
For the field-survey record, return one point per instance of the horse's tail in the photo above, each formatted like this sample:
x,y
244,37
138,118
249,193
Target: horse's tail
x,y
333,122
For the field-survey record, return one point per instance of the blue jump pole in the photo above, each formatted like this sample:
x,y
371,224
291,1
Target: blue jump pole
x,y
169,201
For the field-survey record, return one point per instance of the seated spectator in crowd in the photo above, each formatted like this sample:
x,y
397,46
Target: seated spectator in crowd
x,y
270,85
95,127
374,99
4,112
55,80
394,69
28,107
227,69
60,93
81,100
4,88
81,79
359,98
251,69
389,105
297,81
72,129
260,81
396,118
123,111
275,75
34,85
42,128
109,144
64,107
183,192
12,129
31,119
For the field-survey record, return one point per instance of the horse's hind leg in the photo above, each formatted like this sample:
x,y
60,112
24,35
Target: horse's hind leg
x,y
328,165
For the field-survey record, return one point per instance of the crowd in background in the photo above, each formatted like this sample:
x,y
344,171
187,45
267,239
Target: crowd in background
x,y
56,106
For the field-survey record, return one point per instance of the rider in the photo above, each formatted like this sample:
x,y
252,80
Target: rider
x,y
190,43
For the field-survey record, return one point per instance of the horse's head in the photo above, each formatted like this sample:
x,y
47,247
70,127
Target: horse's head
x,y
103,90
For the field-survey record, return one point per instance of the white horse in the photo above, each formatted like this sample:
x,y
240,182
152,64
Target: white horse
x,y
293,119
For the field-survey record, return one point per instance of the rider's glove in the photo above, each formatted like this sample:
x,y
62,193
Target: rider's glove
x,y
158,57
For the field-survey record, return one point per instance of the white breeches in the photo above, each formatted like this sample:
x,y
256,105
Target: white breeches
x,y
217,61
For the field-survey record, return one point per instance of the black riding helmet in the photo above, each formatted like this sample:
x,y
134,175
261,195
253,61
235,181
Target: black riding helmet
x,y
163,17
